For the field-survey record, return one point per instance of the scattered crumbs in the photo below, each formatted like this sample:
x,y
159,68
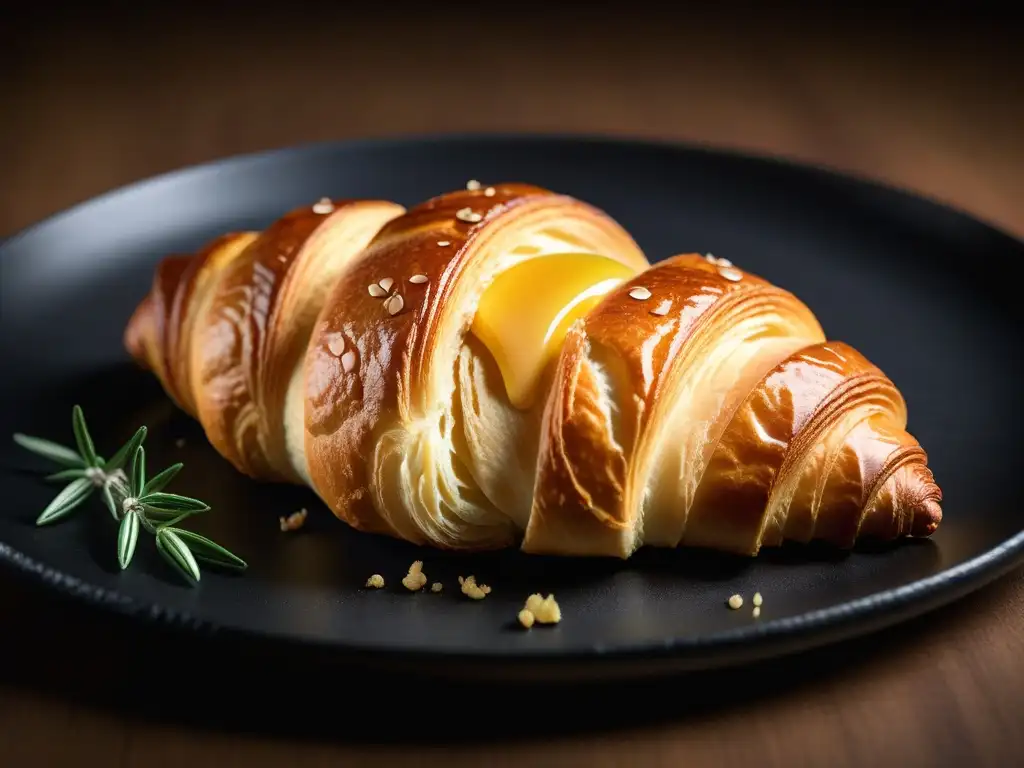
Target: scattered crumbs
x,y
640,293
375,582
468,215
443,243
543,610
471,589
294,521
323,205
416,578
757,600
736,601
489,192
179,443
757,611
436,586
473,185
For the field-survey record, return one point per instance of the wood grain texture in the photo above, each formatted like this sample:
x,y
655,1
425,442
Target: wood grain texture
x,y
942,113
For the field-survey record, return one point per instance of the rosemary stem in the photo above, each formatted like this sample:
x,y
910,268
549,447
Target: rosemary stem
x,y
117,482
135,502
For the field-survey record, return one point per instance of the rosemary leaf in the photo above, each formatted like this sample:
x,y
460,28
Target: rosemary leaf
x,y
177,554
138,473
151,509
127,538
108,499
172,502
82,437
160,481
209,551
170,519
66,474
159,516
65,502
50,450
126,451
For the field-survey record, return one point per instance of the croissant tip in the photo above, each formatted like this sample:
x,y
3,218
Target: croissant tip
x,y
928,518
135,329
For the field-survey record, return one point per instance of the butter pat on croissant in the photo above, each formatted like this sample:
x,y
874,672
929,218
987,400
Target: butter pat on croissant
x,y
504,367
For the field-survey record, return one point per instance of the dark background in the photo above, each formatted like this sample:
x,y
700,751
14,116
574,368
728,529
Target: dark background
x,y
929,97
112,92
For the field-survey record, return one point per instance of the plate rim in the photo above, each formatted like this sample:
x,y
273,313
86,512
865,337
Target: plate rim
x,y
770,638
618,140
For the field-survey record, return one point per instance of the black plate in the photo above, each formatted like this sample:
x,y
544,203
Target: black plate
x,y
922,290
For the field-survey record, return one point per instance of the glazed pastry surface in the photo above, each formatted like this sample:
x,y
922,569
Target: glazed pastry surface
x,y
503,367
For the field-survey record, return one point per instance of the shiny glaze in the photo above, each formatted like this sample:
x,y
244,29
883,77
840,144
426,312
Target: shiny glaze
x,y
158,335
823,426
189,302
233,342
590,480
782,417
404,360
225,328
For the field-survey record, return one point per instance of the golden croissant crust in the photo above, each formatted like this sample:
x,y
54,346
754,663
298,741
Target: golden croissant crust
x,y
503,366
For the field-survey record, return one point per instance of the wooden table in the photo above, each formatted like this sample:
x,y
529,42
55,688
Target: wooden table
x,y
93,105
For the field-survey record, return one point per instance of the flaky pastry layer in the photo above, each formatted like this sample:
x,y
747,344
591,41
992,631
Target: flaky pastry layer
x,y
697,404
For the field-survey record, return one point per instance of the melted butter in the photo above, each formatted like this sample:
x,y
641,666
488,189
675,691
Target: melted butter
x,y
524,314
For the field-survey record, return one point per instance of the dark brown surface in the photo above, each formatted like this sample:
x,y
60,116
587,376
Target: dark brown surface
x,y
86,111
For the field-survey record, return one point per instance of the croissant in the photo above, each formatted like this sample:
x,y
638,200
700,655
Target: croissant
x,y
503,366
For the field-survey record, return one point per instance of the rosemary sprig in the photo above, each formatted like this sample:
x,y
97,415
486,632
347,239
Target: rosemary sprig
x,y
135,502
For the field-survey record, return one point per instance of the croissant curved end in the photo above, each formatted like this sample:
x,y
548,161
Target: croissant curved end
x,y
924,502
926,524
138,333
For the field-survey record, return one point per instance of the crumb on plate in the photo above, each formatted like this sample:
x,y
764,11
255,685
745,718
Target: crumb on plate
x,y
757,611
543,610
375,582
294,521
179,443
736,601
757,600
416,578
471,589
436,587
